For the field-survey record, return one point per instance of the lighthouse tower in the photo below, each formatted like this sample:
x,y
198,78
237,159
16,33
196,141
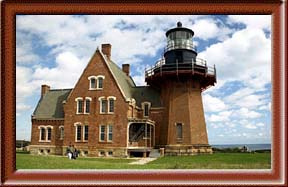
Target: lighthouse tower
x,y
181,78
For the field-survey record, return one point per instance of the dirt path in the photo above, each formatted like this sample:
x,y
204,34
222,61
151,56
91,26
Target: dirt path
x,y
143,161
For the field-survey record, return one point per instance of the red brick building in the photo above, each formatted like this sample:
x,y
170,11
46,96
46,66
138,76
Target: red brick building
x,y
106,114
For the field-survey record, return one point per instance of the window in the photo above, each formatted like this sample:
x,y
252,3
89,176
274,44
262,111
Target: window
x,y
45,133
100,83
78,132
42,134
87,105
61,132
110,153
93,83
79,109
101,153
110,133
96,82
111,104
103,106
179,130
49,131
86,132
146,108
102,133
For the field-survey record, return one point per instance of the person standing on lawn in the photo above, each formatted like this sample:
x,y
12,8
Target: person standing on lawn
x,y
69,152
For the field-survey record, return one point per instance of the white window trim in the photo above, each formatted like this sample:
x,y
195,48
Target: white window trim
x,y
76,130
77,99
46,132
92,77
108,104
97,82
143,108
100,101
100,133
107,133
60,127
83,131
90,99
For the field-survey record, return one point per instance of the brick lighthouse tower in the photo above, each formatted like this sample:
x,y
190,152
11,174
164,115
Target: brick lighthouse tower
x,y
181,78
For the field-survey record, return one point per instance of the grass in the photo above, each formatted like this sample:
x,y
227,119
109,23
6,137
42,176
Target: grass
x,y
214,161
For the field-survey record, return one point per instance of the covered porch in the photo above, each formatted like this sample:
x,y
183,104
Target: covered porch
x,y
141,137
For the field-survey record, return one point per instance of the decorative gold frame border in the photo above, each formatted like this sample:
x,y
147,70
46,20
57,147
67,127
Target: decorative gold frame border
x,y
9,175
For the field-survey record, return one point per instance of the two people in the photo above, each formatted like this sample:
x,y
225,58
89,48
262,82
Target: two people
x,y
72,152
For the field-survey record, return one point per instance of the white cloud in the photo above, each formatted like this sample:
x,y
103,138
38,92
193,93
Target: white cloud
x,y
220,117
260,124
213,104
238,58
201,29
250,126
67,71
246,113
255,21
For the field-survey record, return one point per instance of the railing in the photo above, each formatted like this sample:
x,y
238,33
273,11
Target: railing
x,y
138,134
180,44
198,65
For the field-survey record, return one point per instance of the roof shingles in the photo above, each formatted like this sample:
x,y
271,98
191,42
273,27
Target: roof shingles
x,y
50,105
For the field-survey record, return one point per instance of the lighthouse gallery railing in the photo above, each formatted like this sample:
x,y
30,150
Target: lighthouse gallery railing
x,y
200,64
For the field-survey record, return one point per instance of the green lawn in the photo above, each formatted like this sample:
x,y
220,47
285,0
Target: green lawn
x,y
214,161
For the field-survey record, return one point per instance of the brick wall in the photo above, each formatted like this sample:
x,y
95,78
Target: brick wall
x,y
119,120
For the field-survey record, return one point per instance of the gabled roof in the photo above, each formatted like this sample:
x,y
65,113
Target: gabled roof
x,y
125,82
139,93
50,105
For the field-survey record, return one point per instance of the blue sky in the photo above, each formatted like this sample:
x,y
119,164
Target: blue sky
x,y
54,50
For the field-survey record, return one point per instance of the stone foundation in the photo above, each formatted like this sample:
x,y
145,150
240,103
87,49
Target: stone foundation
x,y
84,151
185,150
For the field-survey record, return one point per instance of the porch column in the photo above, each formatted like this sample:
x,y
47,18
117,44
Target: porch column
x,y
150,135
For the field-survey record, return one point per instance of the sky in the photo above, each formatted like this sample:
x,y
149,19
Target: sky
x,y
54,50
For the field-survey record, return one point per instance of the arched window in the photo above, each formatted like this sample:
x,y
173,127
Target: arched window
x,y
87,105
179,131
61,129
49,132
107,105
45,133
103,105
111,104
100,83
93,83
42,134
81,132
146,108
96,82
79,105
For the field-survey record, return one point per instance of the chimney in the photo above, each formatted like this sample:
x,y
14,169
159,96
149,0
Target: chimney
x,y
126,69
106,50
44,89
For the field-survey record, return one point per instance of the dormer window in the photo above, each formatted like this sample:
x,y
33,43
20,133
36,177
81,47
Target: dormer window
x,y
146,108
96,82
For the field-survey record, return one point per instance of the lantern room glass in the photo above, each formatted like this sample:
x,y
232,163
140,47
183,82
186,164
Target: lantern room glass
x,y
179,40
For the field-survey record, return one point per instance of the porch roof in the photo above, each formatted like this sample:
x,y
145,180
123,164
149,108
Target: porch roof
x,y
141,120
